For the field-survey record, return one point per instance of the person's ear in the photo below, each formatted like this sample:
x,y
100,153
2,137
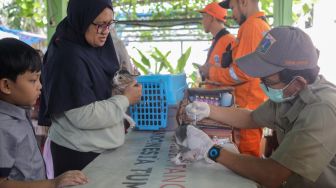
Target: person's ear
x,y
211,18
244,3
5,86
295,86
300,83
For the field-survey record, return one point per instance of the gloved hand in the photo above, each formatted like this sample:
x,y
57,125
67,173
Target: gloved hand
x,y
198,144
197,110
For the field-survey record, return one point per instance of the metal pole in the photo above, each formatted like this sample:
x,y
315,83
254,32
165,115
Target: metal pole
x,y
56,11
282,12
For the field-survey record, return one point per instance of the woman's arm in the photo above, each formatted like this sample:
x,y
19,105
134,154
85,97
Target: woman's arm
x,y
100,114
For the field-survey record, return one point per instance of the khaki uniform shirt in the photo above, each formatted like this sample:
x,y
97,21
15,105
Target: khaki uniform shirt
x,y
306,131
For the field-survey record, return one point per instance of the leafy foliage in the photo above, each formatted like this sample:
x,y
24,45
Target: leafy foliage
x,y
161,62
160,9
27,15
302,10
267,6
144,65
31,15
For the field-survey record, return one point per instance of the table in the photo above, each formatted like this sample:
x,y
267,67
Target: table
x,y
144,162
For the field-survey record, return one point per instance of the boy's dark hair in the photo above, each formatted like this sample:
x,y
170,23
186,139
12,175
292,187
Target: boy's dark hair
x,y
287,75
17,57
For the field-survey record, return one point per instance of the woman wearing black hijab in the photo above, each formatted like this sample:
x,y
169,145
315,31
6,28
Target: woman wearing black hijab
x,y
76,96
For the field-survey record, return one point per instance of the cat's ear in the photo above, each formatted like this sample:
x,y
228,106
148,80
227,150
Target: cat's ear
x,y
123,66
123,70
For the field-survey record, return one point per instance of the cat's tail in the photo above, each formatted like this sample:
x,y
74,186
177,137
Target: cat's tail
x,y
130,120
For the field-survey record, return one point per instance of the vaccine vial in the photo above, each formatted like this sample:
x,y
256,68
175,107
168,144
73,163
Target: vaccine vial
x,y
211,101
226,99
216,101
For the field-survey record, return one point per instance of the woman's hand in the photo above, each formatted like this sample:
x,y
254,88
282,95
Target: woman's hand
x,y
70,178
133,93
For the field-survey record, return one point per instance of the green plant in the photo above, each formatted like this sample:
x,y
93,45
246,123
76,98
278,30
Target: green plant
x,y
160,59
161,62
193,77
30,15
144,65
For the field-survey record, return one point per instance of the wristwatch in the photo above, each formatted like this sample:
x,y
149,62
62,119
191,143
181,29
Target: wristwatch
x,y
214,152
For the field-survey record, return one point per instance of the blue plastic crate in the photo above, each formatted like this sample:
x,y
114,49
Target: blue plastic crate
x,y
158,91
151,112
174,85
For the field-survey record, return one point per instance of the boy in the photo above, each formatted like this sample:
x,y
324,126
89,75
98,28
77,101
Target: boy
x,y
21,163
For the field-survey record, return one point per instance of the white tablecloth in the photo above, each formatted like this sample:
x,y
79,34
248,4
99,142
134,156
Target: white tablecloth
x,y
144,162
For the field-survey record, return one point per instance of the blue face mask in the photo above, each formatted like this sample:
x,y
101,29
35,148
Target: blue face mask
x,y
276,95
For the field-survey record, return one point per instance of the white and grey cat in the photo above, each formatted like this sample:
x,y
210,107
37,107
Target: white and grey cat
x,y
191,143
121,80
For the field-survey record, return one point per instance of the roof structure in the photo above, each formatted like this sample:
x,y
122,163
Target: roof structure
x,y
165,20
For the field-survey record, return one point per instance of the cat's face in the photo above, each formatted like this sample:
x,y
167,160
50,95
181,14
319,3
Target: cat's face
x,y
181,135
123,77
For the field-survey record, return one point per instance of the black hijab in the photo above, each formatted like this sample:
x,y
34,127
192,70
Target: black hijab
x,y
74,73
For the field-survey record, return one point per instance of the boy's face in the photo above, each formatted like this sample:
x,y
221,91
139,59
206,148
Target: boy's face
x,y
24,91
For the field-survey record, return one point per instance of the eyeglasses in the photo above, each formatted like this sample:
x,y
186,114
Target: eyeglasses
x,y
103,27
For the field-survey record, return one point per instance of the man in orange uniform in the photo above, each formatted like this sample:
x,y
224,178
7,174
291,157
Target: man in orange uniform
x,y
248,94
214,17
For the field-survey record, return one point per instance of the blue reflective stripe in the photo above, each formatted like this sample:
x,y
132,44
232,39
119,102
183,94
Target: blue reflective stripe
x,y
234,75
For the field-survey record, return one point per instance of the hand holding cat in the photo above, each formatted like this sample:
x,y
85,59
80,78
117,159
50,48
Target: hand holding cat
x,y
198,143
133,92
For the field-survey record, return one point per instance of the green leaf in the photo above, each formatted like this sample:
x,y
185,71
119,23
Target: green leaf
x,y
164,64
164,60
193,78
306,9
182,61
145,61
140,66
158,59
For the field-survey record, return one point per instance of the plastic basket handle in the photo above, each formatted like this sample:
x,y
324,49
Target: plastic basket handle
x,y
211,83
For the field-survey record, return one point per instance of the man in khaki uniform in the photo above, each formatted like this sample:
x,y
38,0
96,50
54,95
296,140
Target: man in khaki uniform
x,y
301,107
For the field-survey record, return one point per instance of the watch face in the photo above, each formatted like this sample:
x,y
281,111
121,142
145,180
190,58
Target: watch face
x,y
214,152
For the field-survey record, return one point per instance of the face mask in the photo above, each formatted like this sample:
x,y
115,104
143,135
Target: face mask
x,y
276,95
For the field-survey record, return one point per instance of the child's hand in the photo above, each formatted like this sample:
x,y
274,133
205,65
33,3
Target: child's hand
x,y
69,178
